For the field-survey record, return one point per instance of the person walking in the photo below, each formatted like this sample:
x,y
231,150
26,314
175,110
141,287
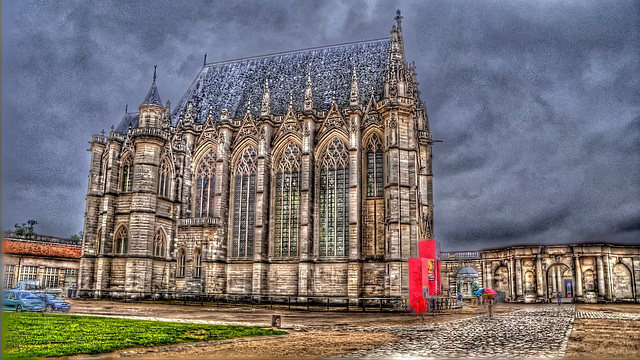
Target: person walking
x,y
490,302
559,297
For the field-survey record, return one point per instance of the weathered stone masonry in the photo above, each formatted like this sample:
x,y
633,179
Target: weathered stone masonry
x,y
304,173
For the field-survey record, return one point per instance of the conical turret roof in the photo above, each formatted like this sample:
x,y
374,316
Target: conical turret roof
x,y
153,96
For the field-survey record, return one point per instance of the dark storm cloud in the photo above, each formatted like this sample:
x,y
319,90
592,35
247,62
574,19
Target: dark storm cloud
x,y
538,104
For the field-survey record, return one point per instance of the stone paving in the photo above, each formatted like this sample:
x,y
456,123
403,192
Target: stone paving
x,y
605,315
527,333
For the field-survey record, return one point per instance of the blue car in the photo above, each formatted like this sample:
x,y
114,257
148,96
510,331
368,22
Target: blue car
x,y
54,302
21,301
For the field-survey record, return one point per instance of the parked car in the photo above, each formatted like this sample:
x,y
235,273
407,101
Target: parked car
x,y
54,302
21,301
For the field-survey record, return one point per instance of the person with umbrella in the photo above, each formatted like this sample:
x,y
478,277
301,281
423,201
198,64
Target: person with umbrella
x,y
489,294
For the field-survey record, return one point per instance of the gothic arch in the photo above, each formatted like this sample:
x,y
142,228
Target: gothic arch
x,y
165,177
332,199
280,145
181,263
121,240
242,200
286,200
202,150
239,149
204,181
126,172
160,243
197,262
323,142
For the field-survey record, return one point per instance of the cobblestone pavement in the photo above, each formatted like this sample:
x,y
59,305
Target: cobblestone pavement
x,y
605,315
537,332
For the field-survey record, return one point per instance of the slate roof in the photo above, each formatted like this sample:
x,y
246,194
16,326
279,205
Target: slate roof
x,y
153,96
128,117
231,84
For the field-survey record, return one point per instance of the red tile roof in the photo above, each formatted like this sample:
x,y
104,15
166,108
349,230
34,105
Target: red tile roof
x,y
29,248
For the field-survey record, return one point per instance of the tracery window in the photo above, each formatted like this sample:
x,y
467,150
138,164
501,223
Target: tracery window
x,y
121,241
205,185
197,263
287,192
244,203
164,185
127,173
181,263
374,167
334,200
159,244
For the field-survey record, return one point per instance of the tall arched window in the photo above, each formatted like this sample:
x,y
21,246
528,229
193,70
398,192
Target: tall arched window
x,y
244,203
287,191
374,167
334,200
159,244
181,263
121,241
197,262
127,173
164,183
205,185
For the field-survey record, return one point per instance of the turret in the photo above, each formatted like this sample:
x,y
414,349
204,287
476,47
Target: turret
x,y
151,110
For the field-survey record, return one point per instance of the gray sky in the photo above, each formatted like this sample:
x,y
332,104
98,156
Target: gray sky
x,y
538,103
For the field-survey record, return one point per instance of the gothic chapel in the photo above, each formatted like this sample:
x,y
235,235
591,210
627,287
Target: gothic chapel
x,y
306,173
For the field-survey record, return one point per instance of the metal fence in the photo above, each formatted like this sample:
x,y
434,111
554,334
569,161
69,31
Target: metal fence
x,y
282,302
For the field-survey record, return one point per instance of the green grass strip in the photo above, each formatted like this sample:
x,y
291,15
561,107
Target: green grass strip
x,y
35,335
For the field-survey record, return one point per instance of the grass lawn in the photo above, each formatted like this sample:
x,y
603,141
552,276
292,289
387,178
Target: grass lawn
x,y
26,336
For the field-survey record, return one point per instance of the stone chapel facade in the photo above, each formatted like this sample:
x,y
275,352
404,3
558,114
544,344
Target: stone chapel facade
x,y
305,173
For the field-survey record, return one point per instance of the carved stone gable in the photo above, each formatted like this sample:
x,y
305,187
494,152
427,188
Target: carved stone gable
x,y
289,125
333,120
247,129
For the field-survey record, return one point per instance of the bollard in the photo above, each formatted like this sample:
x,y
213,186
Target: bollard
x,y
276,321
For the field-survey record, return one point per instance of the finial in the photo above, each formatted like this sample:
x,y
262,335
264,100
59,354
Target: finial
x,y
130,126
290,101
126,108
155,69
398,18
205,60
112,127
249,106
102,132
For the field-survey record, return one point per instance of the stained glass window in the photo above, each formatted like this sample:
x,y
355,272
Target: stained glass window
x,y
159,244
121,241
197,262
287,192
181,263
205,185
374,167
164,185
127,173
244,203
334,200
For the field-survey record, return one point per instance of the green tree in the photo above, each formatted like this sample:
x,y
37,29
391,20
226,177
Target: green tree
x,y
26,228
77,237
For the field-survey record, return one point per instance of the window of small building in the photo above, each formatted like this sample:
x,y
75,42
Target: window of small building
x,y
51,277
8,276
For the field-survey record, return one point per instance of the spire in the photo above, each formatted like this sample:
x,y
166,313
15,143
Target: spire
x,y
398,18
153,97
204,63
354,89
290,101
265,109
396,77
308,94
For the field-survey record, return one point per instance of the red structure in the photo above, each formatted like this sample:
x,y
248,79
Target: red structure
x,y
424,275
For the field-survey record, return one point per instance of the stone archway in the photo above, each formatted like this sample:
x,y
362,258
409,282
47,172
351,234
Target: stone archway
x,y
560,280
621,282
467,282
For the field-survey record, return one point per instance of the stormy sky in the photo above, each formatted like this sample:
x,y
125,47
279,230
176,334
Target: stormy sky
x,y
537,103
